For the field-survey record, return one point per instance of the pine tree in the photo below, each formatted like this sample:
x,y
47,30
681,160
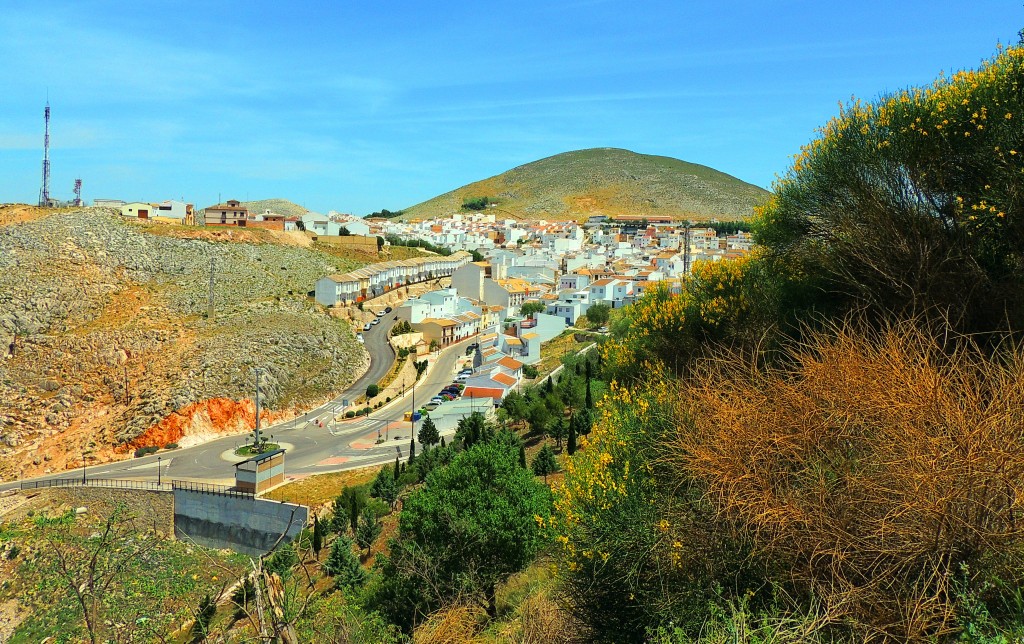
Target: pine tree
x,y
207,609
368,531
544,462
428,434
343,565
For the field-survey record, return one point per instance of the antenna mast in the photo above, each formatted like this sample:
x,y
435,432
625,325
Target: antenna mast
x,y
686,250
78,192
44,193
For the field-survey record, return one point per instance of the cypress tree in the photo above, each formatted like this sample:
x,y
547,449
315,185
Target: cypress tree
x,y
522,456
353,515
318,536
442,442
590,397
412,450
396,467
570,445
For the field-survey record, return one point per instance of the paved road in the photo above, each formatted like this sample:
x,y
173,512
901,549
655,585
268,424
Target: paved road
x,y
382,356
311,448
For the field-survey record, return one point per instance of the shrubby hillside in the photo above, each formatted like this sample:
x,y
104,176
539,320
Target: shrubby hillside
x,y
609,181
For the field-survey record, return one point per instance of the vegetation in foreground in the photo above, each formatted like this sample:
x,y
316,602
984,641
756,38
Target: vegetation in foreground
x,y
820,443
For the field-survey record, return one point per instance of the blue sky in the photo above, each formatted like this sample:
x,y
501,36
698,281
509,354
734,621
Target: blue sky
x,y
361,106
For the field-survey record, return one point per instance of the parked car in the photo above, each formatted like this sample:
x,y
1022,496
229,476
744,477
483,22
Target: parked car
x,y
461,377
375,322
431,406
359,337
380,314
387,309
366,327
437,399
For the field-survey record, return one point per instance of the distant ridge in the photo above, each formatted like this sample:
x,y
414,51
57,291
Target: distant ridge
x,y
608,181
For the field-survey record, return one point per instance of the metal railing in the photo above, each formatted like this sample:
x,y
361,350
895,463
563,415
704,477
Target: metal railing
x,y
210,488
120,484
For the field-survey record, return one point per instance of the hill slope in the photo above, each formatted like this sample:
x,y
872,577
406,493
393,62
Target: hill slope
x,y
90,302
606,181
280,206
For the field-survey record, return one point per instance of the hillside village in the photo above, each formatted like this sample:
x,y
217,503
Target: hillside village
x,y
562,268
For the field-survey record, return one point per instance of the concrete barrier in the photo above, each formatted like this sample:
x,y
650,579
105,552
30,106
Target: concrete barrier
x,y
244,524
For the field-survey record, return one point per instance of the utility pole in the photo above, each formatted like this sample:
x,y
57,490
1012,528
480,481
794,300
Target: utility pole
x,y
256,434
127,397
209,301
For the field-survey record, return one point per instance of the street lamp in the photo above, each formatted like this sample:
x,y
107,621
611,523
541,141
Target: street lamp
x,y
158,459
83,467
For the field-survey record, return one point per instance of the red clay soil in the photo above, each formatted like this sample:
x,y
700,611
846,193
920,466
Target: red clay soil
x,y
216,415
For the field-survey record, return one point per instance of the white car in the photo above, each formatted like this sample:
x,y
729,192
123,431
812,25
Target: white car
x,y
380,314
366,327
359,336
375,322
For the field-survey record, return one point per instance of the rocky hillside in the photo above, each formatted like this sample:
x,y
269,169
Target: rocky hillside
x,y
104,336
280,206
605,181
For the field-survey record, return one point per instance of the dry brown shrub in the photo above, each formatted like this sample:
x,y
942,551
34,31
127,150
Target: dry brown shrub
x,y
539,619
455,624
875,465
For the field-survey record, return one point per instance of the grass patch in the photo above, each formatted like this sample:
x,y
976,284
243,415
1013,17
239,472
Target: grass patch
x,y
248,450
321,488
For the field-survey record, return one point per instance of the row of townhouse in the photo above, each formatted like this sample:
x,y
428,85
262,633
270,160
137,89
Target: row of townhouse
x,y
376,279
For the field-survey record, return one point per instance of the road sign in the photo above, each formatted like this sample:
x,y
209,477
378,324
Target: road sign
x,y
344,402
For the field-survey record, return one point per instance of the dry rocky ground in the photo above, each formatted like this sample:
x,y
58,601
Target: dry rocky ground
x,y
105,345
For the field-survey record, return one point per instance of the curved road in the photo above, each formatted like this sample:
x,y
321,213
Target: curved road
x,y
311,449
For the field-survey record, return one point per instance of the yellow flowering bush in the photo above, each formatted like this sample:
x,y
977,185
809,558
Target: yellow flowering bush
x,y
671,329
912,203
624,564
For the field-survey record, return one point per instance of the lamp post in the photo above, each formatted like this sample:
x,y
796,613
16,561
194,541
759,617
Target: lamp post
x,y
256,432
83,467
158,459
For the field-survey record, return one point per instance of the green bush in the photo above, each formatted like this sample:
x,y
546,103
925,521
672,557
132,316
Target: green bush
x,y
366,411
171,446
350,414
372,390
145,451
530,371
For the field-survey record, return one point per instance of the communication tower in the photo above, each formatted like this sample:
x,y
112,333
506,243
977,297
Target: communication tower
x,y
44,192
78,193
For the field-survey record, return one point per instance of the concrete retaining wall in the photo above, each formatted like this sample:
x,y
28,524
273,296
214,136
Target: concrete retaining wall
x,y
247,525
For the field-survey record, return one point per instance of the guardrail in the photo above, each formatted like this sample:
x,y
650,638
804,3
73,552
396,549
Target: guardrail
x,y
210,488
120,484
